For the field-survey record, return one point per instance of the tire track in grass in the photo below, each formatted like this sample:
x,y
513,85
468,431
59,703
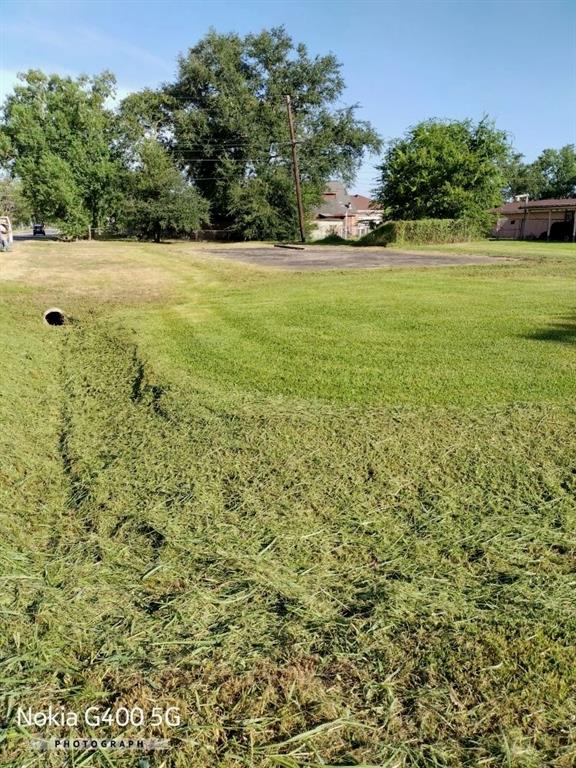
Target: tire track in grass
x,y
343,585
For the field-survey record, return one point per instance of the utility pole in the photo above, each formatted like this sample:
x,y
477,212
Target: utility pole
x,y
295,170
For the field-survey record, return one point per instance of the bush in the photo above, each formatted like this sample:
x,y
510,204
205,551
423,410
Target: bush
x,y
75,226
332,239
425,231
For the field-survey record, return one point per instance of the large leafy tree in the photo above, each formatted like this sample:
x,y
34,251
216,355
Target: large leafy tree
x,y
13,203
158,198
551,175
224,120
444,169
58,138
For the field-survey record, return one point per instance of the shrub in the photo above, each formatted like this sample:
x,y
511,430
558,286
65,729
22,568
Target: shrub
x,y
75,225
426,231
332,239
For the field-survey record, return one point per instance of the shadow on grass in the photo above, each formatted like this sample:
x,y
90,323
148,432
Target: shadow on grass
x,y
563,332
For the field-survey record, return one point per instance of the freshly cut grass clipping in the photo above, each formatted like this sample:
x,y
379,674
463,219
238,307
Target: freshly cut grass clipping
x,y
312,585
361,556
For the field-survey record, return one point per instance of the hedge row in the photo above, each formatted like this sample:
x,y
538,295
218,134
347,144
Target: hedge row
x,y
425,231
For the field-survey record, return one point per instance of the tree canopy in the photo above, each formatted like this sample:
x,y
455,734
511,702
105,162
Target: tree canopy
x,y
444,169
158,199
214,144
222,124
58,138
13,203
224,120
551,175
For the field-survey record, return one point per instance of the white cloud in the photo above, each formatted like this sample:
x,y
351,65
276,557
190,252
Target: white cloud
x,y
135,52
86,39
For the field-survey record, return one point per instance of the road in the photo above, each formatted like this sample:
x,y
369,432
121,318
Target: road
x,y
26,234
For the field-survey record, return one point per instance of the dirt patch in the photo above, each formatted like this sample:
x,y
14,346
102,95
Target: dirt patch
x,y
348,258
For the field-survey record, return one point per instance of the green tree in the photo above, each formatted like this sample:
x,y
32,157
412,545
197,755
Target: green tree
x,y
13,203
224,120
58,138
444,169
145,114
158,199
551,175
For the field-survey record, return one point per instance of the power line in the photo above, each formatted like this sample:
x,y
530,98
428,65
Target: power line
x,y
224,160
232,144
214,178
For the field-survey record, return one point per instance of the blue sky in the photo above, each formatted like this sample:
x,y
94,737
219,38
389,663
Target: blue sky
x,y
402,61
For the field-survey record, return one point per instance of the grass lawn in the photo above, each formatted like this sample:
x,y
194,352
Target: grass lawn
x,y
328,515
511,248
421,337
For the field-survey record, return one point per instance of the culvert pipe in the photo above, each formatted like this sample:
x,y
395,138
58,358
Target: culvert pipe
x,y
55,316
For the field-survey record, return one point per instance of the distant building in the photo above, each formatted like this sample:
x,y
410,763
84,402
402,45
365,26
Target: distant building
x,y
537,220
348,216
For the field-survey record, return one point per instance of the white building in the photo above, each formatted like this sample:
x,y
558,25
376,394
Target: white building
x,y
553,219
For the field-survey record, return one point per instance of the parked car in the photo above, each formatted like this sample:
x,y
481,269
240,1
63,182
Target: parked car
x,y
38,229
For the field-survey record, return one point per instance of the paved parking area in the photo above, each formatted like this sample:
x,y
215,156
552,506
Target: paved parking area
x,y
323,257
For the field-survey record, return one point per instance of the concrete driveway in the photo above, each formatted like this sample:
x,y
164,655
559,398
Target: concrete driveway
x,y
334,257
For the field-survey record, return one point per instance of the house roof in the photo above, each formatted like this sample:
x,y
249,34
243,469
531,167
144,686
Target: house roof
x,y
558,202
336,200
507,208
336,188
330,210
521,206
361,202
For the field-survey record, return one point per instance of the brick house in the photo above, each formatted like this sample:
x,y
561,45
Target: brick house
x,y
553,219
348,216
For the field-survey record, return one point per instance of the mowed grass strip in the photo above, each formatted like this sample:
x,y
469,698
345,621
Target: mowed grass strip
x,y
448,336
312,583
